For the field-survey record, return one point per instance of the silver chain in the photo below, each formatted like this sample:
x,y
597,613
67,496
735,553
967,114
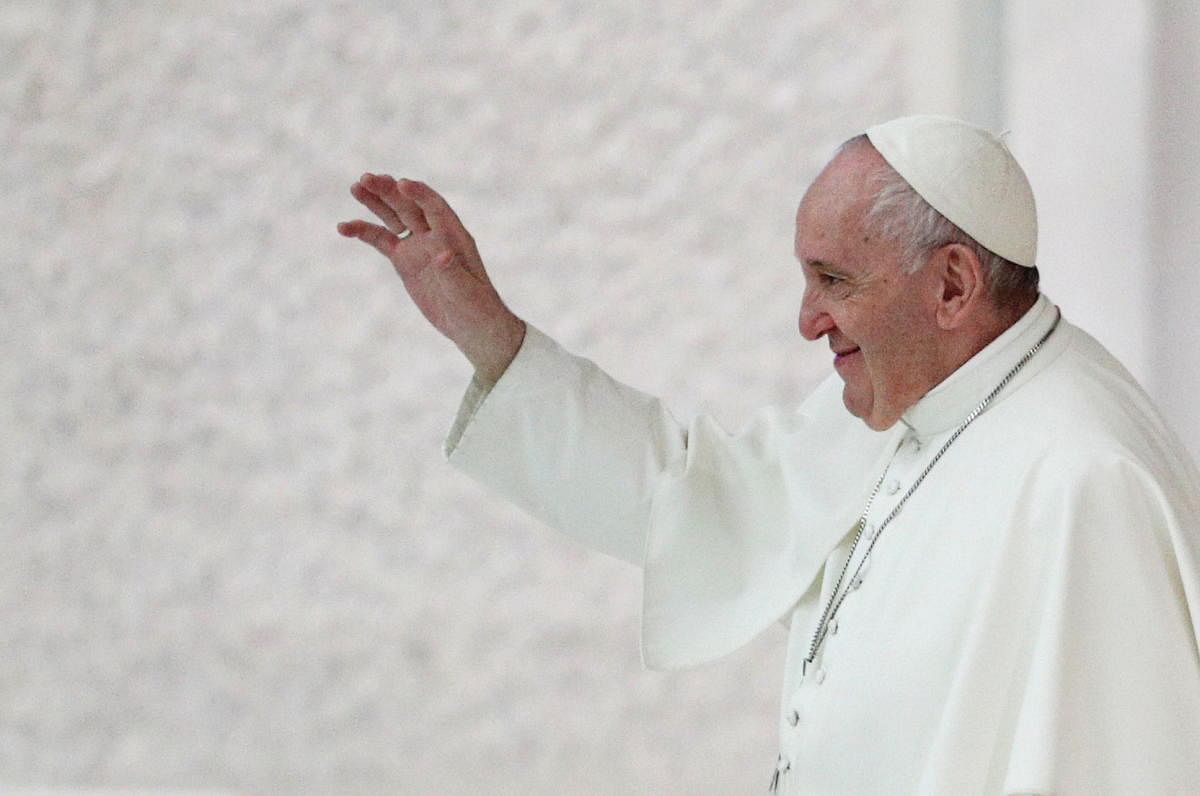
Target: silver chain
x,y
837,596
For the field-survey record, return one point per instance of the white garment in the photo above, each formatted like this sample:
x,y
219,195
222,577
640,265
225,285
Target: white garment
x,y
1027,624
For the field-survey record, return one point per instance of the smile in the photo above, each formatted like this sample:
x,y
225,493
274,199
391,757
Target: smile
x,y
840,357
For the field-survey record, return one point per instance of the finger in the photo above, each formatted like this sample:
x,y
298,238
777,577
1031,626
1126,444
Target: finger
x,y
377,206
409,213
437,211
373,234
444,221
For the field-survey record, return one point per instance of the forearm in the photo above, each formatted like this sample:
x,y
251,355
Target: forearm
x,y
573,447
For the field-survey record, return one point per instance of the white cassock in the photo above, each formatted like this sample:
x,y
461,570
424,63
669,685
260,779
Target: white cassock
x,y
1027,623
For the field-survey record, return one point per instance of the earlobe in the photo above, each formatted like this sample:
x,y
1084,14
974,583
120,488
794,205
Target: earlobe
x,y
961,284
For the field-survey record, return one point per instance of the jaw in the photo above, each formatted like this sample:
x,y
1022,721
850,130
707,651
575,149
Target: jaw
x,y
858,396
865,401
876,421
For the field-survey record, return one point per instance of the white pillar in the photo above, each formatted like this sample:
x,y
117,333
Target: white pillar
x,y
1078,98
954,54
1175,212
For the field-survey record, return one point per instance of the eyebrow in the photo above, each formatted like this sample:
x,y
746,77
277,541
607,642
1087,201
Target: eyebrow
x,y
823,267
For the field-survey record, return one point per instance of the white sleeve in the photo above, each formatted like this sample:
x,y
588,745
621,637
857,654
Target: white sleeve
x,y
729,528
570,445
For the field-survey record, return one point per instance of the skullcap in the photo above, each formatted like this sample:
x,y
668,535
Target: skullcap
x,y
969,176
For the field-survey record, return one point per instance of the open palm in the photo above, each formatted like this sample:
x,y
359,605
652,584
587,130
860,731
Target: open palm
x,y
440,266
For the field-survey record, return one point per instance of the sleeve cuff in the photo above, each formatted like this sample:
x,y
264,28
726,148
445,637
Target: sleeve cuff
x,y
480,389
477,392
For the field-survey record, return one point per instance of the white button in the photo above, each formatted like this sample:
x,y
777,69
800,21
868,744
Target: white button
x,y
793,718
784,765
833,626
820,676
915,445
855,582
893,487
872,530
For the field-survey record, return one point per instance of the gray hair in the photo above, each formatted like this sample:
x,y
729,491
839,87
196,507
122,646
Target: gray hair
x,y
899,214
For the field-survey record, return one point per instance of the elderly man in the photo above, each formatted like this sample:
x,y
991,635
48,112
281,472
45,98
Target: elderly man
x,y
979,532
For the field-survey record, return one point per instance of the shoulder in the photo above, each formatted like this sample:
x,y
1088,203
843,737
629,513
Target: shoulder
x,y
1091,435
1088,410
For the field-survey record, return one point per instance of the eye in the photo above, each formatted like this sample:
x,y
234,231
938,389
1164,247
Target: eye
x,y
830,280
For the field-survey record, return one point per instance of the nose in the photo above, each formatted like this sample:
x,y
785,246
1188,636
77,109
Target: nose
x,y
814,320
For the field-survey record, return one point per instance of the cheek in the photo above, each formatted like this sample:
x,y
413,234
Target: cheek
x,y
887,357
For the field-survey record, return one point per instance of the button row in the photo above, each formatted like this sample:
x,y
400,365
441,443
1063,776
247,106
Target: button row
x,y
818,676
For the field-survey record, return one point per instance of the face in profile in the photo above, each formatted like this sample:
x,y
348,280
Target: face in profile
x,y
877,317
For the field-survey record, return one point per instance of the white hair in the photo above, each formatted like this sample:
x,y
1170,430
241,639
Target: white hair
x,y
899,214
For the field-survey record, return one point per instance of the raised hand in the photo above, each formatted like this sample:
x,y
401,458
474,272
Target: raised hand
x,y
440,267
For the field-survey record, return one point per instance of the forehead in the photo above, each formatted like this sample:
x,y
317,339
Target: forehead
x,y
832,213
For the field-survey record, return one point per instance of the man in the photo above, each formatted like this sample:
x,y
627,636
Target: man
x,y
980,534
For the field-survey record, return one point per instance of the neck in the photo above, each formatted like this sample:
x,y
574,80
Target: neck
x,y
956,347
978,332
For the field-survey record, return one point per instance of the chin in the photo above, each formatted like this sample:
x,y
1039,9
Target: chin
x,y
878,424
855,404
856,408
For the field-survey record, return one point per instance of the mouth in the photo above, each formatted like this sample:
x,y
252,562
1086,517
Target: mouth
x,y
841,357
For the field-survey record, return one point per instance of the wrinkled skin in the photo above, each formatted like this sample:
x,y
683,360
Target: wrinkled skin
x,y
894,334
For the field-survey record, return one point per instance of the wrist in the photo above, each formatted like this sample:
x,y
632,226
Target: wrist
x,y
498,349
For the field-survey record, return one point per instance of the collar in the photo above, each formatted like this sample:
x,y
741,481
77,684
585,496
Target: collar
x,y
946,405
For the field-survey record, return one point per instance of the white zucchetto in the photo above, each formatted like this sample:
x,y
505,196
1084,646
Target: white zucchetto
x,y
969,176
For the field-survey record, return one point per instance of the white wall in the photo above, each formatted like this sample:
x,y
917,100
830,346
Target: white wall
x,y
234,557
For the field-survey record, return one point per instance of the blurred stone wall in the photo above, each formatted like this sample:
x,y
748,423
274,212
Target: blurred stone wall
x,y
234,559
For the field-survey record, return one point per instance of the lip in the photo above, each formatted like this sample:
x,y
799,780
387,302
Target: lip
x,y
841,357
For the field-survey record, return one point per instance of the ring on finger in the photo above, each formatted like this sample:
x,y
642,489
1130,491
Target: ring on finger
x,y
404,234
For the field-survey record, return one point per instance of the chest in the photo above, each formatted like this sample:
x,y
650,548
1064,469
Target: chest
x,y
936,593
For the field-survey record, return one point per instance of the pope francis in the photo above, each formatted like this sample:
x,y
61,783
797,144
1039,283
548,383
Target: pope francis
x,y
980,534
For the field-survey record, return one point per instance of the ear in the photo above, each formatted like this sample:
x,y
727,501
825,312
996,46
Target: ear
x,y
961,284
